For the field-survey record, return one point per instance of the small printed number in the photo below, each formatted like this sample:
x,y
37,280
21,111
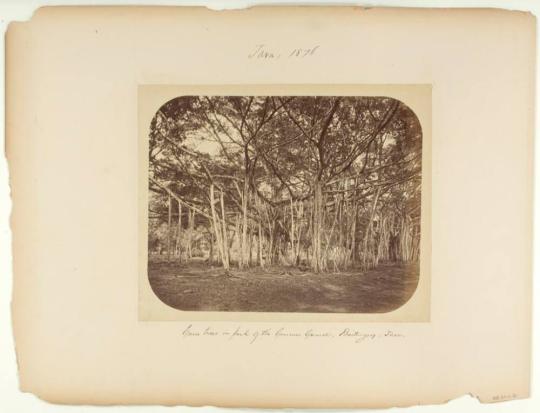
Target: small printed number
x,y
500,397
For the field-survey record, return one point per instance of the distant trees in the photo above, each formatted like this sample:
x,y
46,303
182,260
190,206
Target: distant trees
x,y
330,182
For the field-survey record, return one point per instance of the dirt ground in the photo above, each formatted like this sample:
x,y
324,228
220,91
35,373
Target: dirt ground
x,y
199,286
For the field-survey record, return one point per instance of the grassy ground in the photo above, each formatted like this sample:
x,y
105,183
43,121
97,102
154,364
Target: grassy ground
x,y
198,286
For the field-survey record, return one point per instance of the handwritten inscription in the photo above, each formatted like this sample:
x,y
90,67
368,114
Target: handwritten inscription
x,y
265,52
253,335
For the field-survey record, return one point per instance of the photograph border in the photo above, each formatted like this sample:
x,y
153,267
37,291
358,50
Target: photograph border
x,y
152,97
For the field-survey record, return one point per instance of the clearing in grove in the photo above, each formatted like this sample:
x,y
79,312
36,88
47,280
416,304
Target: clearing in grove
x,y
199,286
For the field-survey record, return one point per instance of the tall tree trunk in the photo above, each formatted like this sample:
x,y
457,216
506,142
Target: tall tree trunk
x,y
245,200
299,225
238,240
330,234
217,229
293,249
189,231
353,232
179,232
270,255
169,228
225,241
251,248
367,237
260,249
211,252
316,247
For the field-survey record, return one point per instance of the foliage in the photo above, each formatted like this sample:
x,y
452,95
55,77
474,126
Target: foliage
x,y
328,182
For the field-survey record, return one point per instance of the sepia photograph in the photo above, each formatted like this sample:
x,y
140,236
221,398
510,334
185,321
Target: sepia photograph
x,y
307,204
192,226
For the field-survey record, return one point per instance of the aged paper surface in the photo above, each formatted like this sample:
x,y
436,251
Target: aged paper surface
x,y
76,78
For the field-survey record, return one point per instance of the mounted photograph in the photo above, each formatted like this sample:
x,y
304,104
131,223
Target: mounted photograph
x,y
289,204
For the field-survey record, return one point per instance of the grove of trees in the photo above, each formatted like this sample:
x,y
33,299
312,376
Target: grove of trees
x,y
329,183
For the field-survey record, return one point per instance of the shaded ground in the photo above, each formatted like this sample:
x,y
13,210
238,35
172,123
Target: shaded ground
x,y
198,286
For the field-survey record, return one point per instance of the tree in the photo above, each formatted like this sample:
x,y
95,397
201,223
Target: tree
x,y
333,179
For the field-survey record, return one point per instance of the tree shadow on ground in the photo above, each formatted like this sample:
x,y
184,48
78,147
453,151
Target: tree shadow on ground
x,y
197,286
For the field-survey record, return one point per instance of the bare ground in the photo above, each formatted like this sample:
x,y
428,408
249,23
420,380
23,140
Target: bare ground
x,y
196,286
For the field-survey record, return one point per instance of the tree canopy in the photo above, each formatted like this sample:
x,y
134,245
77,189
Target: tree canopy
x,y
325,182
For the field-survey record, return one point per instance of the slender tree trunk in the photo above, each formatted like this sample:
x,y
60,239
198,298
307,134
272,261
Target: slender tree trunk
x,y
260,249
353,233
238,240
217,229
292,231
299,225
191,232
316,253
179,232
225,240
270,256
251,248
169,228
211,252
245,200
367,237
